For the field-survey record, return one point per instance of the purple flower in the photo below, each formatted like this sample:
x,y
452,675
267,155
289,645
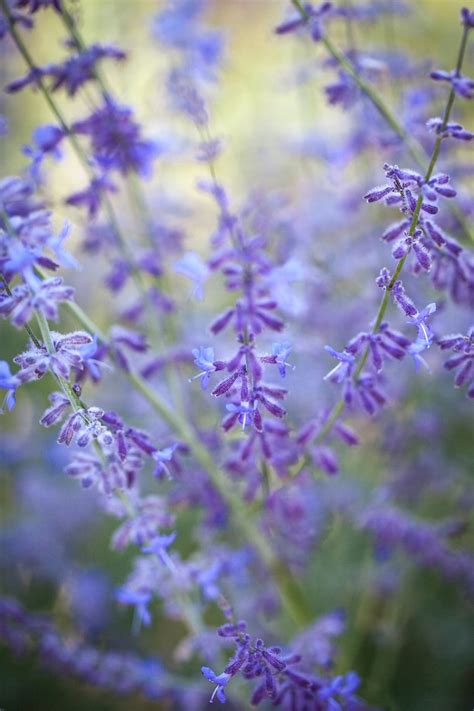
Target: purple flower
x,y
15,18
32,77
35,362
186,98
59,404
9,383
46,140
158,546
91,197
312,21
72,74
178,27
343,92
140,599
81,68
34,5
193,268
161,456
462,362
244,412
416,348
221,682
463,86
122,340
343,369
402,300
116,140
421,539
467,17
419,320
280,352
64,259
45,298
449,130
204,359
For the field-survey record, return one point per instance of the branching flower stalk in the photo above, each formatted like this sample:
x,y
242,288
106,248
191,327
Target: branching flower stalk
x,y
292,598
414,148
339,407
191,614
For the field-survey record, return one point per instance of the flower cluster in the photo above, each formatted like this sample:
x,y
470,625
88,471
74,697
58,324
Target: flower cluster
x,y
278,677
463,359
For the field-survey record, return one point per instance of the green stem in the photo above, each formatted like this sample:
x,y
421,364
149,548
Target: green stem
x,y
76,403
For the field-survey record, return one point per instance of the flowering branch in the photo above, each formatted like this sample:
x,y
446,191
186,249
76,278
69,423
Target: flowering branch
x,y
414,148
339,407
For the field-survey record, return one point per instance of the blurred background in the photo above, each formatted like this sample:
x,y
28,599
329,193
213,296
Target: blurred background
x,y
409,630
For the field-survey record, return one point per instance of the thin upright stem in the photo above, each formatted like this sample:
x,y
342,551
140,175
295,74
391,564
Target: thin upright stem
x,y
415,149
339,406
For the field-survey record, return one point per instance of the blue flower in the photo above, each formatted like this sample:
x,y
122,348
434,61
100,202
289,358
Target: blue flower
x,y
140,599
192,267
65,259
281,352
158,546
9,383
415,349
419,320
116,140
245,410
161,456
343,369
204,359
221,682
462,85
342,686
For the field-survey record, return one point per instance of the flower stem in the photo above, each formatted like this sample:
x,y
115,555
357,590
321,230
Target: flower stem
x,y
414,148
